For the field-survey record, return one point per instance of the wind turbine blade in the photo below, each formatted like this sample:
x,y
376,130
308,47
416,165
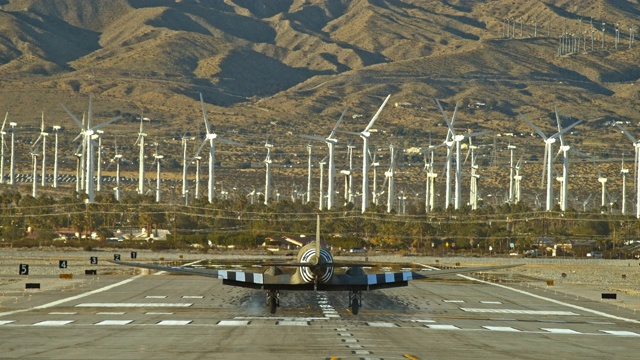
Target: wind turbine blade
x,y
90,112
73,117
201,146
455,113
137,140
310,137
338,123
37,141
624,131
484,132
375,117
578,152
204,116
544,164
227,141
557,154
535,128
5,121
565,129
42,124
106,123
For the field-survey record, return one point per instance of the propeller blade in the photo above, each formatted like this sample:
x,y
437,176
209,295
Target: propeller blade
x,y
375,117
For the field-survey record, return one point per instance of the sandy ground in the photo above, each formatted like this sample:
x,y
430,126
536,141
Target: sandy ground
x,y
588,278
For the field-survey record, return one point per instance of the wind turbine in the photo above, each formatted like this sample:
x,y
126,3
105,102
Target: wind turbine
x,y
518,178
43,137
197,160
89,134
431,177
457,138
449,143
117,158
348,176
636,145
99,167
211,138
140,142
364,134
375,165
548,157
12,165
2,146
331,143
603,181
565,165
56,130
267,183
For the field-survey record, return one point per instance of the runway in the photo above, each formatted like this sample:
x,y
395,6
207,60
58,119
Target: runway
x,y
189,317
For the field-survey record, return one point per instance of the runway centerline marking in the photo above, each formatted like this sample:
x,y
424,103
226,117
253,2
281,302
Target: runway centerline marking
x,y
53,323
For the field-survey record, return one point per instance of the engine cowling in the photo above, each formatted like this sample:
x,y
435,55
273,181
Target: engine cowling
x,y
322,273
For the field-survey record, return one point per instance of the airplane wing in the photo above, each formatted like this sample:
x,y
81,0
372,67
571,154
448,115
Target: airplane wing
x,y
398,279
356,280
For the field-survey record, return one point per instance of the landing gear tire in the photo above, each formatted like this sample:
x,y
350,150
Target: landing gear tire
x,y
355,306
273,300
355,301
272,305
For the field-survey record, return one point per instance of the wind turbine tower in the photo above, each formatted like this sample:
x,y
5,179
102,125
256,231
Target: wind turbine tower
x,y
389,175
56,130
267,183
117,158
158,159
184,164
34,157
309,149
511,148
2,145
99,173
321,202
624,173
449,143
140,142
44,135
12,165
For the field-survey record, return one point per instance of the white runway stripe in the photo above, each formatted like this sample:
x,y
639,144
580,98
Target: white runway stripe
x,y
233,323
526,312
619,333
453,301
292,323
443,327
193,297
560,331
381,324
53,323
501,328
114,322
119,305
4,322
155,297
110,313
62,313
175,322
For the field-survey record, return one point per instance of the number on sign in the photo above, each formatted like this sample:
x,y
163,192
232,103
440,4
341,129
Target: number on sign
x,y
62,264
116,257
134,254
24,269
94,260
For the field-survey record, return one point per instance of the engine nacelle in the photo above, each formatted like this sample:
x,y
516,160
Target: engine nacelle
x,y
309,274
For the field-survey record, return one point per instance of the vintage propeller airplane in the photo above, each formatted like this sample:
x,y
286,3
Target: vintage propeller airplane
x,y
314,270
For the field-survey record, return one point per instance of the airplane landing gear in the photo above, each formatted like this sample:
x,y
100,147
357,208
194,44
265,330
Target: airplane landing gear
x,y
273,300
355,301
